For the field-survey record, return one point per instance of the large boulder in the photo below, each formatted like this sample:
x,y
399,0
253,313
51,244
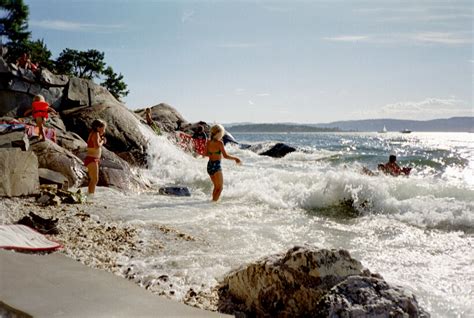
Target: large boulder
x,y
19,171
53,157
359,296
123,133
83,92
311,282
288,284
166,117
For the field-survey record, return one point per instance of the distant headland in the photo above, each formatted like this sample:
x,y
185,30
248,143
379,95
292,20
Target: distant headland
x,y
454,124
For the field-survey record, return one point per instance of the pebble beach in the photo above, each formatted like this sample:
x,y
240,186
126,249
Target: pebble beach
x,y
101,243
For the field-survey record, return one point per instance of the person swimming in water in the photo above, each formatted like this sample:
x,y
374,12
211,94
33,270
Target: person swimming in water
x,y
215,151
392,168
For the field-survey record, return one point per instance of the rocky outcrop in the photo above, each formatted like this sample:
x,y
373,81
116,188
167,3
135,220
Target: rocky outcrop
x,y
19,171
301,283
166,117
123,133
55,158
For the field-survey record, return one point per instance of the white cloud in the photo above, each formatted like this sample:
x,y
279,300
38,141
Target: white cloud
x,y
263,94
62,25
348,38
426,109
251,102
441,38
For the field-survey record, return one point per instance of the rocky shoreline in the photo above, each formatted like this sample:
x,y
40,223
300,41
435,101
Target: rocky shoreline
x,y
101,243
320,280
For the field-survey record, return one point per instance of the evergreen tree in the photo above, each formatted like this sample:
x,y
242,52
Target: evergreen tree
x,y
114,83
84,64
14,23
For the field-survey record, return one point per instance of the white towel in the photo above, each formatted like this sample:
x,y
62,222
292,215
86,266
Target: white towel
x,y
21,237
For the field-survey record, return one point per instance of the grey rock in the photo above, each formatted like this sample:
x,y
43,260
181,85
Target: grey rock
x,y
19,85
47,176
19,171
175,191
4,66
124,134
359,296
11,102
311,282
16,139
287,284
166,117
49,79
115,172
53,157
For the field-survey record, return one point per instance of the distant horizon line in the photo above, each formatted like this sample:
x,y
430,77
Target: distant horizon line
x,y
346,120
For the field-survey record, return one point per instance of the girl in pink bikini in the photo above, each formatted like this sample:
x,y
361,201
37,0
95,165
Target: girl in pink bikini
x,y
94,151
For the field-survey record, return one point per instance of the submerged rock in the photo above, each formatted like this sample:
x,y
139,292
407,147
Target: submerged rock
x,y
176,191
279,150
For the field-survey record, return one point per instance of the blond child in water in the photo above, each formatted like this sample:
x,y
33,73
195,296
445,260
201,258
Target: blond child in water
x,y
215,151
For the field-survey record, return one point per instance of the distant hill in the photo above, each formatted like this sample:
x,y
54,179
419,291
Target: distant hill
x,y
454,124
274,128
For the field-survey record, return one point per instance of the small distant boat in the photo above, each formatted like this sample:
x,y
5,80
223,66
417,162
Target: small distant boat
x,y
406,131
384,130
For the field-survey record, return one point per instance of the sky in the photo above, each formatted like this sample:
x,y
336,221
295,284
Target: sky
x,y
276,61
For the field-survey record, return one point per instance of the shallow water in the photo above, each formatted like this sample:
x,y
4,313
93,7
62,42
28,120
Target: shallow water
x,y
417,232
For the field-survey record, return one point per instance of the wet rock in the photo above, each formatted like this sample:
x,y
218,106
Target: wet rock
x,y
310,282
286,284
279,150
175,191
359,296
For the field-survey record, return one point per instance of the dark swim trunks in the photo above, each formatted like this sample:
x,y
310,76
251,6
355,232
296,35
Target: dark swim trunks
x,y
213,167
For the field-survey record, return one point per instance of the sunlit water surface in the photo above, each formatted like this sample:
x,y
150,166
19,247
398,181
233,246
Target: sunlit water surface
x,y
415,231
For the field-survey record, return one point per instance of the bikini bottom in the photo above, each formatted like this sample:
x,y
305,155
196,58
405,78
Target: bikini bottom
x,y
213,167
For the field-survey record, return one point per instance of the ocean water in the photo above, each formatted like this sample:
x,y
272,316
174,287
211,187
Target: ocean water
x,y
416,231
